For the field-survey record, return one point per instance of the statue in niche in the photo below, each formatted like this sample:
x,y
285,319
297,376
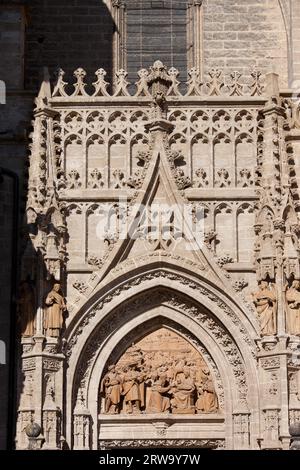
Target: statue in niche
x,y
26,309
183,392
207,401
133,389
53,320
293,308
111,388
265,301
159,402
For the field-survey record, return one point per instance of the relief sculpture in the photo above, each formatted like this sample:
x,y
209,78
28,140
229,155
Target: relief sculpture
x,y
161,374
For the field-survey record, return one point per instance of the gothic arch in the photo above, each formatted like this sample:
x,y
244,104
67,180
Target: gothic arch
x,y
203,312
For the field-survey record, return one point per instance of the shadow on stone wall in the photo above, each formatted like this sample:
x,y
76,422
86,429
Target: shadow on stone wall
x,y
67,34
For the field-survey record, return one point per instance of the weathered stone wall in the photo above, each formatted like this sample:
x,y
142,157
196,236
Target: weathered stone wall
x,y
240,34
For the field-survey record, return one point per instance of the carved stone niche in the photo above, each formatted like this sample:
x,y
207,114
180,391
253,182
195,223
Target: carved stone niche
x,y
160,387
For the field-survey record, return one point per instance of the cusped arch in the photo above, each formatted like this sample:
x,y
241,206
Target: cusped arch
x,y
103,309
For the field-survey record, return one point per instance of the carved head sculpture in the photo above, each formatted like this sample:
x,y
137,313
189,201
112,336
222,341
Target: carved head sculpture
x,y
56,287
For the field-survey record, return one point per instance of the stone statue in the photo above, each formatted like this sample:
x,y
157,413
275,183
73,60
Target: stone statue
x,y
26,309
159,402
207,399
183,390
293,308
111,388
53,320
266,305
132,390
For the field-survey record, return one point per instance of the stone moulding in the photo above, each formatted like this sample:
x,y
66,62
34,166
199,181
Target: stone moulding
x,y
159,443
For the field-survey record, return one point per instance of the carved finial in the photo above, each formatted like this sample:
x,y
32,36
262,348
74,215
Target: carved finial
x,y
256,86
74,179
158,73
235,87
122,83
173,90
142,83
194,83
100,85
59,89
80,75
215,83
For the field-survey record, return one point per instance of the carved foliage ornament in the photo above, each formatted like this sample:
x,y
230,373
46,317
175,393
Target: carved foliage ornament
x,y
162,373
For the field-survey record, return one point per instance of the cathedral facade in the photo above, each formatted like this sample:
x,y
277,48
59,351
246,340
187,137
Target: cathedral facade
x,y
159,289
